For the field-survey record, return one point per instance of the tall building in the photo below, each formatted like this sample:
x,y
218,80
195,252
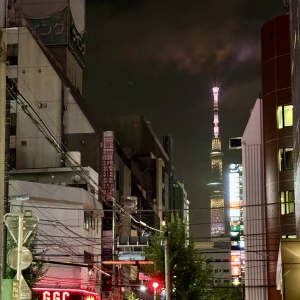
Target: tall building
x,y
52,144
295,72
216,183
256,285
277,141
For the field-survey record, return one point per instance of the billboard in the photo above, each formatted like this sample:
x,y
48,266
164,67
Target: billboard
x,y
77,29
52,30
57,22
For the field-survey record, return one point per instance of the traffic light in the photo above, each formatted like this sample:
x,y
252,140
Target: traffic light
x,y
155,285
156,282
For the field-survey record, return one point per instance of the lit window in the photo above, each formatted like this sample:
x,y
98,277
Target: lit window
x,y
286,157
285,116
287,202
293,236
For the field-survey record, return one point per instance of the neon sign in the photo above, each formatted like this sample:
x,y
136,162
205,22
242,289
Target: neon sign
x,y
56,295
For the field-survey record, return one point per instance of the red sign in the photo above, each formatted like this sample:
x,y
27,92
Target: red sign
x,y
108,165
65,294
56,295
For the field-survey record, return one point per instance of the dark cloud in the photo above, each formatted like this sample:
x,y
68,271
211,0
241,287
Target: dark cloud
x,y
161,58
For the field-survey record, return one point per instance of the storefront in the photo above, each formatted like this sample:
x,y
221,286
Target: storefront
x,y
65,294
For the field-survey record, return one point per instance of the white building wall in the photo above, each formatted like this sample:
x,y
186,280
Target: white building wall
x,y
254,211
43,89
40,85
62,233
74,119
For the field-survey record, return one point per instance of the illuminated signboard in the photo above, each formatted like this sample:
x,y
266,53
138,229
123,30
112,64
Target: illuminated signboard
x,y
65,294
56,295
108,165
236,269
236,223
235,212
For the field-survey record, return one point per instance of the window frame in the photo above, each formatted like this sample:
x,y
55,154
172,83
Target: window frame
x,y
287,206
281,116
282,157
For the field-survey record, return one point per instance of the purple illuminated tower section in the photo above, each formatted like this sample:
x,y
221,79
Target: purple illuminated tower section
x,y
217,214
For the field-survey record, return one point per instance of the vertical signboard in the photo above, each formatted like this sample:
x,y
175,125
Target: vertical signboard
x,y
108,179
77,29
236,223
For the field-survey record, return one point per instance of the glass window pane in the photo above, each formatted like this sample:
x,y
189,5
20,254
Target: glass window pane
x,y
288,115
289,159
279,117
291,207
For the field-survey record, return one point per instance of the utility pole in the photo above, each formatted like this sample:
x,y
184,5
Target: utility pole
x,y
20,247
114,277
167,262
6,185
3,55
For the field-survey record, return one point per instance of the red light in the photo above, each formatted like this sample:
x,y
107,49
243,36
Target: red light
x,y
155,285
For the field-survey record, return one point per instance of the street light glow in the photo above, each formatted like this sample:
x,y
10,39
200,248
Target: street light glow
x,y
143,288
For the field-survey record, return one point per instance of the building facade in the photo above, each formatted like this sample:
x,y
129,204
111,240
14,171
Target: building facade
x,y
277,140
256,284
295,73
52,143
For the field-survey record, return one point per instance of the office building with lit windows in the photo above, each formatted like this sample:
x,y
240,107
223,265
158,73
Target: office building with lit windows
x,y
295,73
288,258
277,142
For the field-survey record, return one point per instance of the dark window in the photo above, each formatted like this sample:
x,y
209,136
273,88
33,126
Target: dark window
x,y
12,88
23,143
13,124
286,158
12,54
88,257
12,158
86,220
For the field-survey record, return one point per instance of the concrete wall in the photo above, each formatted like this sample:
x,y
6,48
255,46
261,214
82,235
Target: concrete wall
x,y
61,230
254,211
42,87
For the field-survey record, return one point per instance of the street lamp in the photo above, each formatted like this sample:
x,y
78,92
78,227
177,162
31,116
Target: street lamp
x,y
155,285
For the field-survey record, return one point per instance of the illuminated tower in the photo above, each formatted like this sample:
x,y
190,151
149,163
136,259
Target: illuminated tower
x,y
217,214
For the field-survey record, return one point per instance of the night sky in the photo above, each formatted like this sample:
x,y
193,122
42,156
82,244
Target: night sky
x,y
160,59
